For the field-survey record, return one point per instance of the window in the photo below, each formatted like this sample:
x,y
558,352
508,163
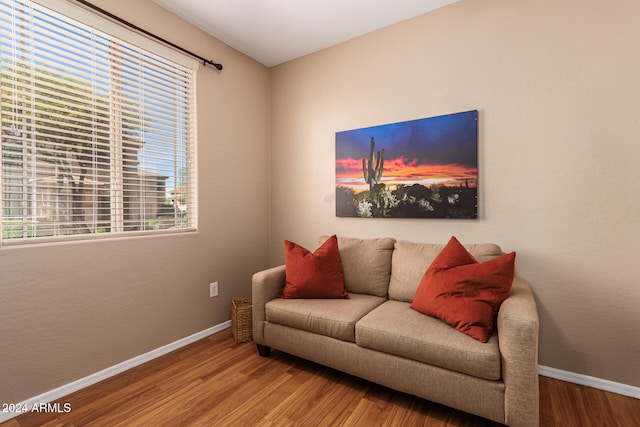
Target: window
x,y
98,134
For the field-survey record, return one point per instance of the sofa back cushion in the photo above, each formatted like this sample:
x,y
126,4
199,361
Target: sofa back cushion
x,y
366,264
411,260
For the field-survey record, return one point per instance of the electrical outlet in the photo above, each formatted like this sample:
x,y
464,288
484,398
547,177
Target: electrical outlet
x,y
213,289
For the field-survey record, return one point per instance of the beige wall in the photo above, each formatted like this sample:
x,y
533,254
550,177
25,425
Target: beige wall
x,y
556,85
70,310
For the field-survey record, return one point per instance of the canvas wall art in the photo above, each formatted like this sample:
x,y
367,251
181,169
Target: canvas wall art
x,y
426,168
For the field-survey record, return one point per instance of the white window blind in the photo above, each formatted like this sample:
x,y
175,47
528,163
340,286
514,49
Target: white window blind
x,y
98,135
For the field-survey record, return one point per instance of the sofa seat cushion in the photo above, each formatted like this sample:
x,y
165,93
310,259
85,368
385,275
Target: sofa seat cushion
x,y
334,318
394,328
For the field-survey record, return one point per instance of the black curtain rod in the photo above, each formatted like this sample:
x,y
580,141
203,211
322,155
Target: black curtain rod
x,y
147,33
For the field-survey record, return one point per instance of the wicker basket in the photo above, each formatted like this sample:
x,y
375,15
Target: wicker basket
x,y
241,322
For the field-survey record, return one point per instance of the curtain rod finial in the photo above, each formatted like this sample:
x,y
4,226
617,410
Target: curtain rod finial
x,y
213,64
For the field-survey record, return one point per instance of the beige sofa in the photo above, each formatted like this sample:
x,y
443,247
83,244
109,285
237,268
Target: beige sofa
x,y
375,335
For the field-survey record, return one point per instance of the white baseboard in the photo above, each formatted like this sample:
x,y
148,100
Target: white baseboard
x,y
586,380
67,389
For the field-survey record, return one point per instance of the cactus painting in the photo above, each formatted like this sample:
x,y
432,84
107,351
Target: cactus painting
x,y
426,168
373,171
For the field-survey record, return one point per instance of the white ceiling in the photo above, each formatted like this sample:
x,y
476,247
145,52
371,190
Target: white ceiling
x,y
276,31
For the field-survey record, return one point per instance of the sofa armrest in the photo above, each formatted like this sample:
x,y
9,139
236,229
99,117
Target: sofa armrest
x,y
265,286
518,329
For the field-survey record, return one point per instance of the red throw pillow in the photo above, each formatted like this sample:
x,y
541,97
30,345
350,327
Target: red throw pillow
x,y
313,275
464,293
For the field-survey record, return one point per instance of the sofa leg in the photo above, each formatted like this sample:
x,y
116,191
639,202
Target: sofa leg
x,y
263,350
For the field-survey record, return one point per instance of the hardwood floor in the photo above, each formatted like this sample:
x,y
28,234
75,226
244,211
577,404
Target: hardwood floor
x,y
216,382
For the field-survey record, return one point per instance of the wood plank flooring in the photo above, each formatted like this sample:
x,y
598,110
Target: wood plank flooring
x,y
216,382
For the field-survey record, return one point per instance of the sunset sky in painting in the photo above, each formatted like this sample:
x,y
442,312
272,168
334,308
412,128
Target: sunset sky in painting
x,y
437,150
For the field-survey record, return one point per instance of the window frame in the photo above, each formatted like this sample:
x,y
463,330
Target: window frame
x,y
137,42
